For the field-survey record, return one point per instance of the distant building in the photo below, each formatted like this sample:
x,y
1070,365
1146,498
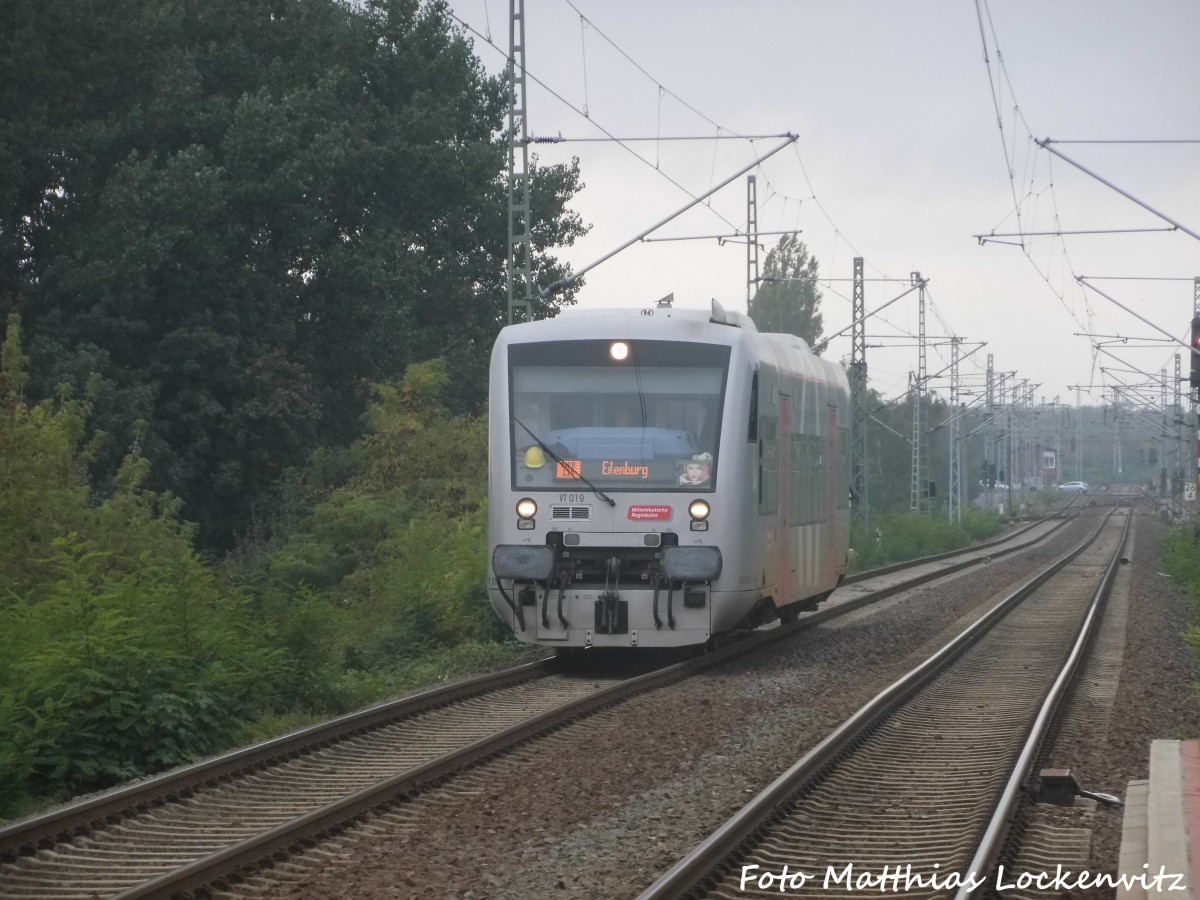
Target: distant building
x,y
1049,456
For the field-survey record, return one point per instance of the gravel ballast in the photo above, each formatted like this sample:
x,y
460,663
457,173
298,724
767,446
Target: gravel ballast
x,y
603,807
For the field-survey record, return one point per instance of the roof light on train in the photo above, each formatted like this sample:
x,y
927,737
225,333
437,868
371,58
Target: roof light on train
x,y
698,510
619,351
526,508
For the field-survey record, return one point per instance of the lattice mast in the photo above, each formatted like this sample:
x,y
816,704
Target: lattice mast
x,y
519,278
955,488
1177,420
989,406
1164,477
860,510
1194,475
1006,440
1078,434
918,495
1117,465
751,240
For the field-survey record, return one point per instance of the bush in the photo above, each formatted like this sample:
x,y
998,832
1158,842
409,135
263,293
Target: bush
x,y
120,652
981,525
1181,559
387,541
904,536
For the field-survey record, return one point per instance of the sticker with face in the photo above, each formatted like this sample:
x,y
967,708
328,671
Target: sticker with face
x,y
697,470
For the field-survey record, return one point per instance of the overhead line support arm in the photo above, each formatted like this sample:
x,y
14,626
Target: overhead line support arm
x,y
1045,145
568,281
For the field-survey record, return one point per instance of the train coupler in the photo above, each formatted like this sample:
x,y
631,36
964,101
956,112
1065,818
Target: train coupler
x,y
612,614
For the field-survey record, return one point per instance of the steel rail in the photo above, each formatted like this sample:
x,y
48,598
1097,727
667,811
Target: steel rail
x,y
336,816
74,818
63,822
992,842
78,818
688,872
218,867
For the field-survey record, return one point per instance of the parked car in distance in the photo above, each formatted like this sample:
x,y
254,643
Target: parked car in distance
x,y
1074,487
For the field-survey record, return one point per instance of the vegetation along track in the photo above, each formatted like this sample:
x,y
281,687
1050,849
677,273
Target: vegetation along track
x,y
927,773
182,830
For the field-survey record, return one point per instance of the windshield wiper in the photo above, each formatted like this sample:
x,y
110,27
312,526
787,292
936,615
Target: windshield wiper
x,y
566,465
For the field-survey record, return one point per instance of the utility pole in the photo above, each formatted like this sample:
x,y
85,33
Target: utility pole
x,y
859,508
520,265
751,239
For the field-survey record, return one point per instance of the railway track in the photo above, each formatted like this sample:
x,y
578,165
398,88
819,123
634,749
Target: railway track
x,y
914,793
184,830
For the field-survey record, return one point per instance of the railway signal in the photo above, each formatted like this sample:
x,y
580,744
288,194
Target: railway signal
x,y
1195,379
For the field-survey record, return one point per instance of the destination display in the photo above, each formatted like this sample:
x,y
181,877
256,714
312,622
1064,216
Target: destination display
x,y
659,472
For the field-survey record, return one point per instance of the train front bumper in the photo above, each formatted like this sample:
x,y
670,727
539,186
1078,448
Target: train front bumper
x,y
610,599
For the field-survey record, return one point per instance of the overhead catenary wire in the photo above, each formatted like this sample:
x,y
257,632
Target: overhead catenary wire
x,y
980,5
639,67
722,133
663,90
563,100
729,134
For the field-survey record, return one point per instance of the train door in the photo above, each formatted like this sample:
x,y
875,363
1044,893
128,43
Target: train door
x,y
783,526
834,483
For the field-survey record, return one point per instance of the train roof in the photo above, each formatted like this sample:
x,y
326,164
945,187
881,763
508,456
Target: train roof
x,y
786,352
652,320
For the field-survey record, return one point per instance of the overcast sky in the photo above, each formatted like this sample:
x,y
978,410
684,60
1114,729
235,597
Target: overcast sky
x,y
900,159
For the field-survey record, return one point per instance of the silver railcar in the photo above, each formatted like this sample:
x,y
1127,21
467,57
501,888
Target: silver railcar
x,y
658,476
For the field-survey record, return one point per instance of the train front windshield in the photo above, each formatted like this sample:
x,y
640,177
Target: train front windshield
x,y
623,414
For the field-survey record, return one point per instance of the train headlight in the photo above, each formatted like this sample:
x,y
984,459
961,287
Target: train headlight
x,y
526,508
619,351
698,510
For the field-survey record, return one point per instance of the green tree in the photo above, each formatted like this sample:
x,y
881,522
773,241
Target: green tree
x,y
393,530
787,299
242,213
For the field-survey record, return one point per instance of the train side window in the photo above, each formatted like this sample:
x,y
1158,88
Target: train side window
x,y
752,431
